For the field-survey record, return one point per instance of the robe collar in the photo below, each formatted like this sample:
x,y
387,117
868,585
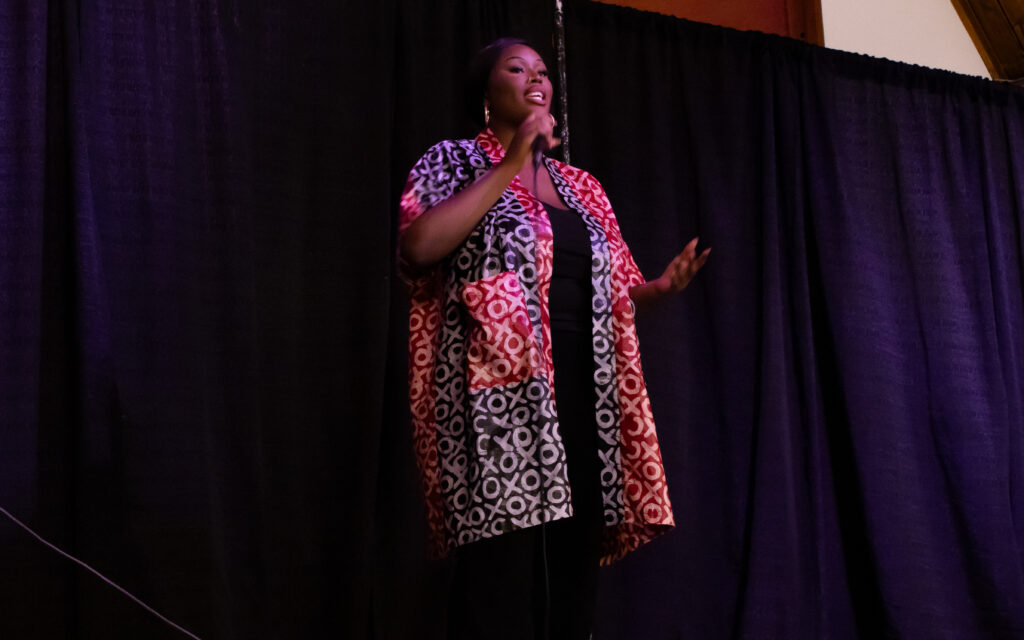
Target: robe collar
x,y
490,143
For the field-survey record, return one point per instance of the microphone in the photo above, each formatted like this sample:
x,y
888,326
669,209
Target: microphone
x,y
539,145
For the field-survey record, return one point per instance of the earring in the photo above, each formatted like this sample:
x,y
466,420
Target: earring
x,y
487,115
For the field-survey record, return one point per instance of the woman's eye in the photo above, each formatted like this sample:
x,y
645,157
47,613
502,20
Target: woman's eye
x,y
516,69
544,73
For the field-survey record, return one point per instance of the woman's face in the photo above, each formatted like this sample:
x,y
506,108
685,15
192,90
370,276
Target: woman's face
x,y
518,86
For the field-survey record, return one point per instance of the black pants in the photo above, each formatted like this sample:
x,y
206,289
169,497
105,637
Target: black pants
x,y
541,583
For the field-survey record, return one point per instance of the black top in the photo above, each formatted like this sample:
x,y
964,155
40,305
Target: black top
x,y
569,300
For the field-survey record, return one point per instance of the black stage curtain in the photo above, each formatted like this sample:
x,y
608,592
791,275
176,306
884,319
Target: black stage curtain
x,y
203,358
197,202
839,395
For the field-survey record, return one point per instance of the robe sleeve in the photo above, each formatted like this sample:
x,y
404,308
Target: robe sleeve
x,y
624,258
435,177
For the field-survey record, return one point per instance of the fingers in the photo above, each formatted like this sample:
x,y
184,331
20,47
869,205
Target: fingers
x,y
552,140
687,256
685,266
696,262
547,123
537,124
703,258
545,129
521,147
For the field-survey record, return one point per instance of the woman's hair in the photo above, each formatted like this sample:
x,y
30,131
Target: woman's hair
x,y
480,74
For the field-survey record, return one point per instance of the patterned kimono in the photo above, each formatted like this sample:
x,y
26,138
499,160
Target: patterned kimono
x,y
481,381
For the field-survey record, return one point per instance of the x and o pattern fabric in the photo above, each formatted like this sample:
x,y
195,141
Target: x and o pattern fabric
x,y
481,381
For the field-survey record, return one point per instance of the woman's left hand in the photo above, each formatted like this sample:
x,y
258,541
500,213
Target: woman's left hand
x,y
681,270
677,275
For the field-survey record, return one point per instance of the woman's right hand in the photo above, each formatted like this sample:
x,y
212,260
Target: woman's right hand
x,y
440,230
537,125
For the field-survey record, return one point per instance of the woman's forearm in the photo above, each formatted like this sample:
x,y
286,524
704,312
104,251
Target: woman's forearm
x,y
649,294
440,230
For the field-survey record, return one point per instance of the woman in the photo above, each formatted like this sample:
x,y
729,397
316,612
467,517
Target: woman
x,y
533,429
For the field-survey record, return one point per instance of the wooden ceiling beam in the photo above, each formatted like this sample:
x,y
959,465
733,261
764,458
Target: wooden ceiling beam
x,y
804,17
800,19
997,29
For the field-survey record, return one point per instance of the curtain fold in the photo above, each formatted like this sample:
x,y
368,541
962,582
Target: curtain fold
x,y
198,207
836,394
203,344
201,308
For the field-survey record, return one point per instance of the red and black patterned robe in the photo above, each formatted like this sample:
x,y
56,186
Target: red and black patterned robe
x,y
481,383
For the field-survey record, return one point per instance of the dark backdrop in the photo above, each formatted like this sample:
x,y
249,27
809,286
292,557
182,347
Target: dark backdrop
x,y
202,343
839,394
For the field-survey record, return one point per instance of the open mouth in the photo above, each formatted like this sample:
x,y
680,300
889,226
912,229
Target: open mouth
x,y
535,96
